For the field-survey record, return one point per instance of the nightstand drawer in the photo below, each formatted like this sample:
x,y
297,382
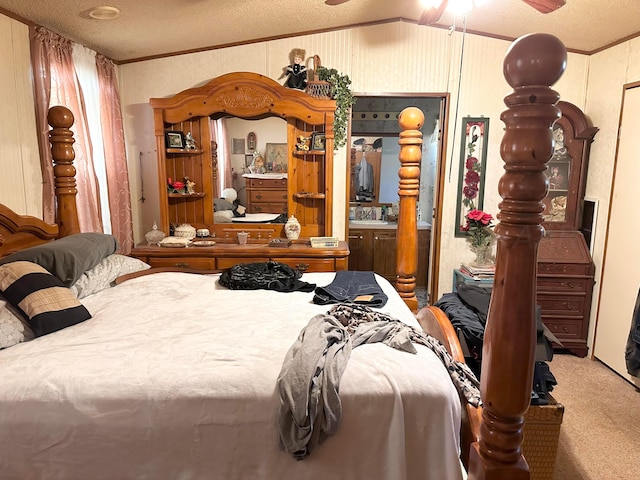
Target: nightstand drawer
x,y
267,207
545,268
185,262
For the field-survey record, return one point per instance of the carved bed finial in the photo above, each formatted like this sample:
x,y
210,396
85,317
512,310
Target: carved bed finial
x,y
61,137
532,64
411,120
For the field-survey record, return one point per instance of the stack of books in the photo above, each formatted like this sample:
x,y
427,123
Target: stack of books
x,y
478,272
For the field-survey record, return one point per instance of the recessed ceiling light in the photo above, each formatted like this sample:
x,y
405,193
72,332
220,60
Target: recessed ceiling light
x,y
104,13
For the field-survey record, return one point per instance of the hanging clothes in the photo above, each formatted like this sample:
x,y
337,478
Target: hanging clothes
x,y
364,180
632,352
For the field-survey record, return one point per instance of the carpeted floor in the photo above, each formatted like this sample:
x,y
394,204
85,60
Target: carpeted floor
x,y
600,432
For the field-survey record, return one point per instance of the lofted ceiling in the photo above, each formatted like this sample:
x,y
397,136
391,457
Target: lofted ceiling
x,y
150,28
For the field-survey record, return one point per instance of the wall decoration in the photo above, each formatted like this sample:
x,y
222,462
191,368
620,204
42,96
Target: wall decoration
x,y
473,159
252,142
277,157
238,146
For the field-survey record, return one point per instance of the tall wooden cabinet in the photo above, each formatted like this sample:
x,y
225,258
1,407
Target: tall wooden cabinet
x,y
565,274
248,96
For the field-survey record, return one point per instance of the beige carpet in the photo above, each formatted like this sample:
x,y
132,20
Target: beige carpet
x,y
600,432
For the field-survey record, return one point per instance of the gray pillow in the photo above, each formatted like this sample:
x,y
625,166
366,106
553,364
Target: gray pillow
x,y
69,257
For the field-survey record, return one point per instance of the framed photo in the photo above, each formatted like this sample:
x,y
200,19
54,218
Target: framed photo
x,y
276,157
317,141
237,146
174,139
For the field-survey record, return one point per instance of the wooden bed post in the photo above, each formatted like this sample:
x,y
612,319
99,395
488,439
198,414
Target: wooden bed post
x,y
532,64
61,138
411,120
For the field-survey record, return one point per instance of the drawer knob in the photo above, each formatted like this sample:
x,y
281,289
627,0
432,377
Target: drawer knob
x,y
303,267
258,196
182,265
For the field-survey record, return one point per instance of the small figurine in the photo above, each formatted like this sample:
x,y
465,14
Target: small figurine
x,y
258,165
296,71
303,143
189,142
189,186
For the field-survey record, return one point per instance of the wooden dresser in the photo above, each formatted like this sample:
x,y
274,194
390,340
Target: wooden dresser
x,y
266,195
224,255
565,283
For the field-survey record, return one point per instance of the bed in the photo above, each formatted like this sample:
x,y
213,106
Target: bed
x,y
174,376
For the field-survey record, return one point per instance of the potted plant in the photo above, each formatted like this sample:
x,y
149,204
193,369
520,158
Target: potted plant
x,y
340,91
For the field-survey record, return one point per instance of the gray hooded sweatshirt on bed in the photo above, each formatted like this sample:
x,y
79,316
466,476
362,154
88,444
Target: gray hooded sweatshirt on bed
x,y
308,384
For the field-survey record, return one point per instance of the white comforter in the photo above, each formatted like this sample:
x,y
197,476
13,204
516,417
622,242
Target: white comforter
x,y
174,378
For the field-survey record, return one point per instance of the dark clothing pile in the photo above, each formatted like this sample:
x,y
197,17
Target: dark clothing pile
x,y
632,351
265,275
467,310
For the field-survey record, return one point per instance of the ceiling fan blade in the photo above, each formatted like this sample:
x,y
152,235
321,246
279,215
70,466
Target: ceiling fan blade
x,y
335,2
431,15
545,6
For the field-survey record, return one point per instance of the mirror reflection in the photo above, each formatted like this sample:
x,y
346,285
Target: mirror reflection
x,y
253,166
374,161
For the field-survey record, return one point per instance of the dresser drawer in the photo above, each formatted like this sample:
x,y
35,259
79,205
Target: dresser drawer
x,y
225,263
565,268
562,304
198,263
564,329
267,183
309,264
563,284
267,208
272,196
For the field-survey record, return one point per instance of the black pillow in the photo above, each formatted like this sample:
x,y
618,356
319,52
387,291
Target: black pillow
x,y
44,301
69,257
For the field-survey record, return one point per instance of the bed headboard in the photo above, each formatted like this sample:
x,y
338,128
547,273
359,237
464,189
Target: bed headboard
x,y
18,232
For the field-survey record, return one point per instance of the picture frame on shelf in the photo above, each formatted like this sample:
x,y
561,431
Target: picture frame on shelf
x,y
276,157
174,139
248,159
318,141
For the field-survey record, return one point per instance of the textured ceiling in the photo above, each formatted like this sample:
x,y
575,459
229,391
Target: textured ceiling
x,y
148,28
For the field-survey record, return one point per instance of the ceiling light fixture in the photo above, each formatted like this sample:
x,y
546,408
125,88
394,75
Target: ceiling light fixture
x,y
104,13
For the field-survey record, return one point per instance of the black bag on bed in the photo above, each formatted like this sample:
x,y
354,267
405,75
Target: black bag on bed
x,y
264,275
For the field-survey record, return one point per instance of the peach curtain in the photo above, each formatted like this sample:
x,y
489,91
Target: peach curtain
x,y
56,84
115,154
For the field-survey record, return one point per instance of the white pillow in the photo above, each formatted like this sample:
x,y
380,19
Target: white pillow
x,y
104,274
12,329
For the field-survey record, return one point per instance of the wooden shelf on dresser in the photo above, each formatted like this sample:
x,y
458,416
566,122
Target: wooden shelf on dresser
x,y
564,287
224,255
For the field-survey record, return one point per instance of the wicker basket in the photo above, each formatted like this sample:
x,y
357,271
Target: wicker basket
x,y
315,87
541,435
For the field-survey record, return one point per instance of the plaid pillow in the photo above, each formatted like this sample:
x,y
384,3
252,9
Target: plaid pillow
x,y
42,298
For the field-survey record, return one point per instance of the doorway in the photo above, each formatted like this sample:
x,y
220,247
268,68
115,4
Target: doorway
x,y
373,139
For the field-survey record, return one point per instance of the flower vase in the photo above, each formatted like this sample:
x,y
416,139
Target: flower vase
x,y
483,255
292,228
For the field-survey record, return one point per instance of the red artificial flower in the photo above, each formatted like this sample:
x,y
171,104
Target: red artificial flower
x,y
471,162
470,191
472,177
476,215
